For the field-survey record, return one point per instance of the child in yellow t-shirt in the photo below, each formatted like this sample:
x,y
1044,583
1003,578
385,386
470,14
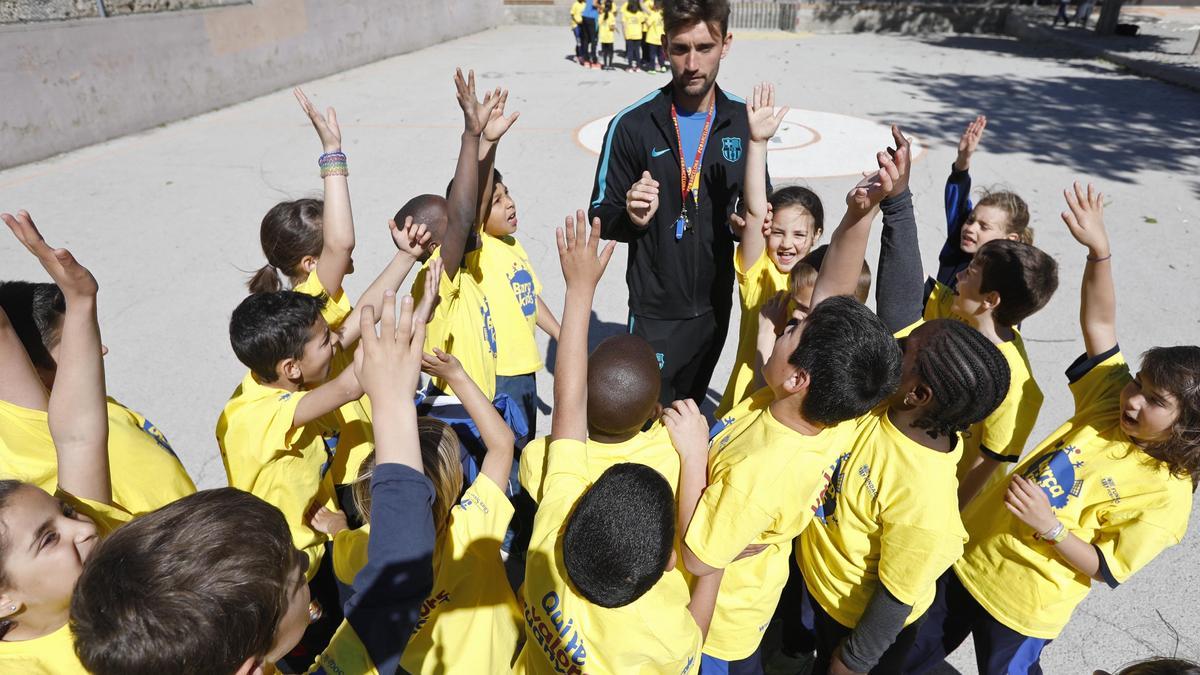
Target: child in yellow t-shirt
x,y
653,57
595,594
247,603
632,18
1097,500
48,533
608,33
577,8
887,526
470,621
766,469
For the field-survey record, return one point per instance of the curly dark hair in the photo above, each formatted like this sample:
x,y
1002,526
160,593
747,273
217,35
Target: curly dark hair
x,y
1177,370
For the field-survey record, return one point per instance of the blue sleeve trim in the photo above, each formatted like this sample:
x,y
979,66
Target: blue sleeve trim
x,y
992,454
1084,365
1104,571
930,284
602,175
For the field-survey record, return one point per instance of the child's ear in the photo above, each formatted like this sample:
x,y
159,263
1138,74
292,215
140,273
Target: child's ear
x,y
308,263
289,369
8,606
919,396
991,300
671,561
658,411
796,382
1012,236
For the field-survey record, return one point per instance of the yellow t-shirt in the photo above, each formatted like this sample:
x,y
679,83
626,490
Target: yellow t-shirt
x,y
608,27
285,466
651,447
344,654
756,285
512,289
764,481
566,634
145,472
462,324
632,24
1003,434
1101,486
577,12
356,437
890,515
653,27
471,622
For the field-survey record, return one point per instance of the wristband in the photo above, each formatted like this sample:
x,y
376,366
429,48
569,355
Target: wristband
x,y
333,164
1091,259
1056,534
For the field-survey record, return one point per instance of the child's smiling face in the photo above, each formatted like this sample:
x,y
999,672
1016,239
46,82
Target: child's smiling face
x,y
790,236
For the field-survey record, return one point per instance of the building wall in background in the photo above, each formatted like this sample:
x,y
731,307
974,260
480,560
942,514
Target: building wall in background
x,y
73,83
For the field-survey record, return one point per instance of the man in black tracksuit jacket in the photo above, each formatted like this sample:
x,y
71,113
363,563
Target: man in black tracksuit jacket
x,y
680,290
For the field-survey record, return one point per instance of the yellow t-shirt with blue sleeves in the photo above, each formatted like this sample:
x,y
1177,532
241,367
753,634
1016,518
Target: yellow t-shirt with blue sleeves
x,y
632,24
756,285
284,466
471,622
564,633
462,323
764,481
145,472
1003,434
512,289
890,516
355,436
1102,487
652,447
54,654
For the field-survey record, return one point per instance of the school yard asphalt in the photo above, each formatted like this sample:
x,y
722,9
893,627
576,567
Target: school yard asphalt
x,y
168,219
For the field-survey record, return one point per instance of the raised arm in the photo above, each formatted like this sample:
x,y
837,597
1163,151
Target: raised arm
x,y
498,125
958,202
497,437
411,242
463,204
78,411
582,269
337,221
848,244
764,122
1098,298
900,284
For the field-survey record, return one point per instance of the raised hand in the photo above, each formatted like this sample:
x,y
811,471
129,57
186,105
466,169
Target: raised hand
x,y
326,126
902,156
577,251
74,279
476,113
388,363
641,201
1085,219
969,143
688,430
412,239
874,186
327,521
497,124
442,366
760,109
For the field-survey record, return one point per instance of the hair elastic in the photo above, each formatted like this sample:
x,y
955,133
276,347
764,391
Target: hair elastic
x,y
1091,259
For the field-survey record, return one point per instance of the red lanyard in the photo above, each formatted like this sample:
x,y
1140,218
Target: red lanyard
x,y
686,176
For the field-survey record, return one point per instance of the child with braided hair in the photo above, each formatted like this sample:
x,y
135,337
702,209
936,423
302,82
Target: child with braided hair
x,y
1097,500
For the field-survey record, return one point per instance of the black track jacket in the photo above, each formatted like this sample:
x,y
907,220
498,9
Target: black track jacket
x,y
669,278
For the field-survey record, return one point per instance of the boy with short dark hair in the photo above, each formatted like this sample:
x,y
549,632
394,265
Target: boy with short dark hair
x,y
766,469
596,598
213,584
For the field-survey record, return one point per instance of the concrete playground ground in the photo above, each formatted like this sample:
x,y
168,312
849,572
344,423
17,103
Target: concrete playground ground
x,y
168,219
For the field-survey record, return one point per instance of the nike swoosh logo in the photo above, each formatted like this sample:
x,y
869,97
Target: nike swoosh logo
x,y
655,152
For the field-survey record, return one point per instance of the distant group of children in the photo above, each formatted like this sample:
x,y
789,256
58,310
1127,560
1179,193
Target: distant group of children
x,y
865,486
594,25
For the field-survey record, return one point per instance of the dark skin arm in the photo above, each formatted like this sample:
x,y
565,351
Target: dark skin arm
x,y
463,206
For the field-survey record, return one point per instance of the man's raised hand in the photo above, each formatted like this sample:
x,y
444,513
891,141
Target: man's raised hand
x,y
641,201
760,109
969,143
577,252
73,279
476,113
326,125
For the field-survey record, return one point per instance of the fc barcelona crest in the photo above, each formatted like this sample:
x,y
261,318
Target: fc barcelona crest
x,y
731,149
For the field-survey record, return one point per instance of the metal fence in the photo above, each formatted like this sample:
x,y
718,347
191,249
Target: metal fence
x,y
763,15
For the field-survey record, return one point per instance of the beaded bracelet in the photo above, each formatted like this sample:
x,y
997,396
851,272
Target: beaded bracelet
x,y
333,164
